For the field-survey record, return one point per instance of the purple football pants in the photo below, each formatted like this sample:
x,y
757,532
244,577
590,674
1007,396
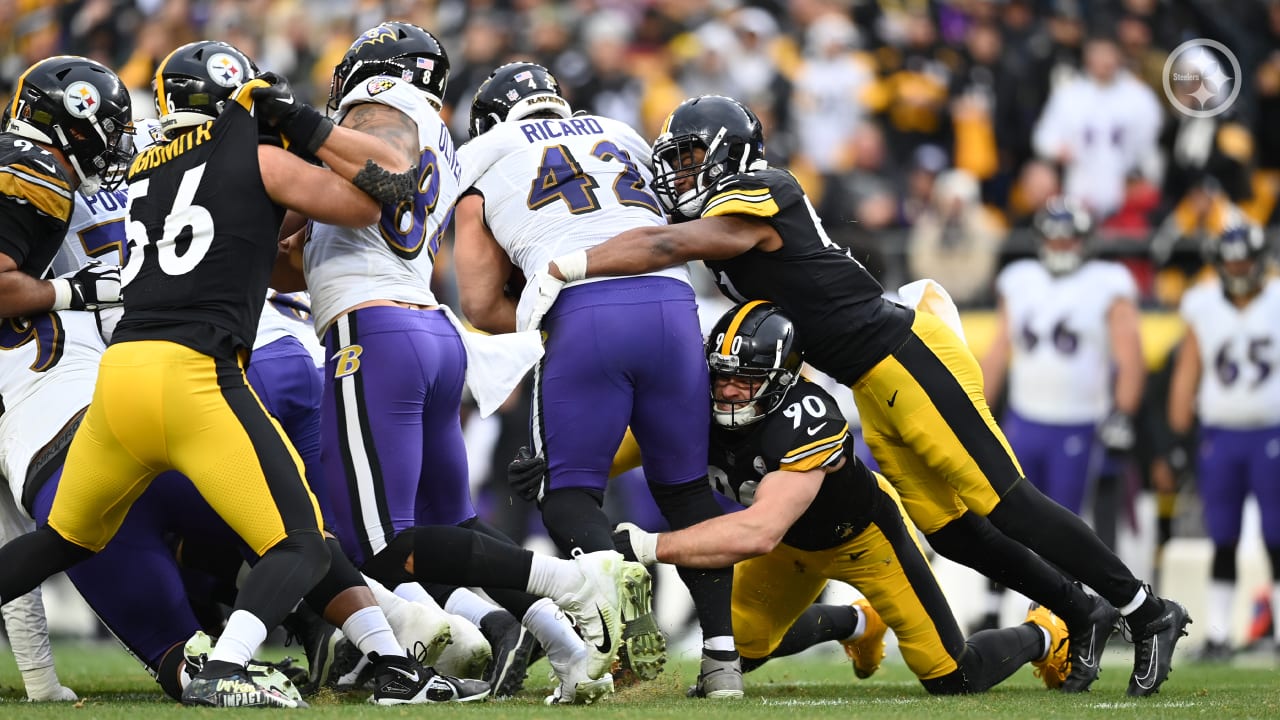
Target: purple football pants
x,y
1232,464
1060,460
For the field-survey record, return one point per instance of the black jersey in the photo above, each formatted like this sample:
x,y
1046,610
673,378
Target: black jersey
x,y
806,432
844,323
35,204
202,237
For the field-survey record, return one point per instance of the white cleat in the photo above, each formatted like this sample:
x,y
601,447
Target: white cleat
x,y
469,653
596,606
423,629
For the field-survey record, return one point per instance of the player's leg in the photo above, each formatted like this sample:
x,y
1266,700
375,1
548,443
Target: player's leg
x,y
582,401
284,377
1262,473
766,611
941,414
671,420
1223,473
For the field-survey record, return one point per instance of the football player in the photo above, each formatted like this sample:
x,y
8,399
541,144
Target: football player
x,y
1064,323
1224,374
781,447
918,388
393,454
538,182
185,337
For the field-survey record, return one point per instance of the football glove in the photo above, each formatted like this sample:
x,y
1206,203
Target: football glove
x,y
636,544
548,290
302,124
1116,432
92,287
526,474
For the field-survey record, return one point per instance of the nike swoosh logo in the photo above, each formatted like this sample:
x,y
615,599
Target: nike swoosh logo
x,y
1089,660
605,644
410,676
1148,679
893,398
814,430
43,164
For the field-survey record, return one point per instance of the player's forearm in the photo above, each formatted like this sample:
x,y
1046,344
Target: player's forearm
x,y
495,315
346,152
1130,379
718,542
632,252
22,295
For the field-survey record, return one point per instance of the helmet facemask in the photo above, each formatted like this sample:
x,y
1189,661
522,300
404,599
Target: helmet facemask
x,y
1063,226
767,388
693,163
1238,258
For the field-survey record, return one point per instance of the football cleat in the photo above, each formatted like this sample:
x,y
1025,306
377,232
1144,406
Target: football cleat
x,y
587,692
511,644
596,606
644,647
319,641
400,680
196,652
867,650
233,688
1086,646
1153,647
575,686
719,680
423,628
469,653
274,677
1056,663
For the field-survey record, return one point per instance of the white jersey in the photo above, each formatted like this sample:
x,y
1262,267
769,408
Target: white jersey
x,y
552,186
96,232
1060,372
47,373
288,315
1239,356
393,259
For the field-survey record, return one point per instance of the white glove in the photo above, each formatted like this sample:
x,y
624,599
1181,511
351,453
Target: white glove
x,y
91,288
547,289
643,545
1116,432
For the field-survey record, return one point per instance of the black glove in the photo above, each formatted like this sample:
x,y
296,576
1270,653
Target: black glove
x,y
526,474
302,124
92,287
1180,454
1116,433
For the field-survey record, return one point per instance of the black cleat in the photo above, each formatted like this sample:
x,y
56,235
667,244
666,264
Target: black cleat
x,y
1153,648
400,680
1087,644
318,640
232,686
512,645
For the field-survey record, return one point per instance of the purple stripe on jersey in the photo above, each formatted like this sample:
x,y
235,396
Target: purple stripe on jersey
x,y
1060,460
286,379
392,453
623,352
135,585
1232,464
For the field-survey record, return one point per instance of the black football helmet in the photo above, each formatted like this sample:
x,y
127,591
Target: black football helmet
x,y
397,49
1240,240
194,82
514,92
726,130
80,107
754,340
1062,218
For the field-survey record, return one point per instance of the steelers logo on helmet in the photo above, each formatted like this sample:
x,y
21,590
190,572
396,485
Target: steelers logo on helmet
x,y
225,70
81,99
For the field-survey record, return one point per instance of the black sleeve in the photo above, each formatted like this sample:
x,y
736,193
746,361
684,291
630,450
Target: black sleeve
x,y
25,236
807,431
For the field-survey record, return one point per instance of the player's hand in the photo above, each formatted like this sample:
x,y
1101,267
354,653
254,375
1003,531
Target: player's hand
x,y
1116,432
527,474
277,106
636,544
92,287
548,290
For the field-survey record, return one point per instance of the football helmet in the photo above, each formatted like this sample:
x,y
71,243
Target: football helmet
x,y
193,83
1059,221
80,107
513,92
1237,254
397,49
754,341
725,130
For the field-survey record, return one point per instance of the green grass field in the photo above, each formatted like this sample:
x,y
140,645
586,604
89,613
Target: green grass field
x,y
115,688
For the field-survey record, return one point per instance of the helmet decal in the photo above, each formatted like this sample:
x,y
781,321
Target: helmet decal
x,y
225,70
81,99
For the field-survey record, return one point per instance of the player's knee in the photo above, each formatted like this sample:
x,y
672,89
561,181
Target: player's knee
x,y
388,566
341,576
307,551
953,683
168,674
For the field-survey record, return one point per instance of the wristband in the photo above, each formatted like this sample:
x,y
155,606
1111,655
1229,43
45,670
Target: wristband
x,y
573,266
61,294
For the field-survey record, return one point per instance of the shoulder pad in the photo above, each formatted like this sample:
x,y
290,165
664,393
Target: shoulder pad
x,y
807,431
33,176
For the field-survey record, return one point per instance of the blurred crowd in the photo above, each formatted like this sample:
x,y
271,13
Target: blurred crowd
x,y
926,131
